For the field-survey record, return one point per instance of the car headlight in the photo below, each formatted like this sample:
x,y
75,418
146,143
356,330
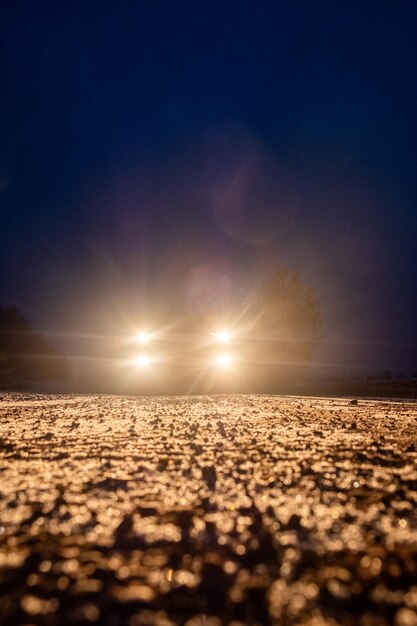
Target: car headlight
x,y
222,336
143,338
224,360
143,360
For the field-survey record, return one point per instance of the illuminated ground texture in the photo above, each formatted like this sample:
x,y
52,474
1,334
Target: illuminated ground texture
x,y
207,511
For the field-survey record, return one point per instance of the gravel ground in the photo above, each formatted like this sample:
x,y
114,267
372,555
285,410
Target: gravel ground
x,y
207,510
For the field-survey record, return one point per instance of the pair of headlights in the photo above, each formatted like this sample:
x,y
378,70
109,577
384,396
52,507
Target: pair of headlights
x,y
222,360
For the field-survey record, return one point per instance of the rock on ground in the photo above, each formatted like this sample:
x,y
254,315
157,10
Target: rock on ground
x,y
207,510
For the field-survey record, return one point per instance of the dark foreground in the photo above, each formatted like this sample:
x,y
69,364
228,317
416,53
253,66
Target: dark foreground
x,y
207,511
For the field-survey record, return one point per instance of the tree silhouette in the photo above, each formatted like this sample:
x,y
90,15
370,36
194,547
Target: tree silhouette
x,y
25,354
288,323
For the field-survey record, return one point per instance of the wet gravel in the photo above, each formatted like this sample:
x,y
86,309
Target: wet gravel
x,y
207,510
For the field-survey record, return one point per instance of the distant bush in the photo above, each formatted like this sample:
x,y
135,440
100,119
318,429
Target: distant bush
x,y
288,323
25,354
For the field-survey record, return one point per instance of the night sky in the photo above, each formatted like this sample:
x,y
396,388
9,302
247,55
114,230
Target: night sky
x,y
177,150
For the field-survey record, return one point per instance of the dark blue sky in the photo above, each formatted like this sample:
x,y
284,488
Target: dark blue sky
x,y
155,146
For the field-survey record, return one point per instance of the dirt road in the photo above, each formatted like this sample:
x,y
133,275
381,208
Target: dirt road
x,y
207,510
